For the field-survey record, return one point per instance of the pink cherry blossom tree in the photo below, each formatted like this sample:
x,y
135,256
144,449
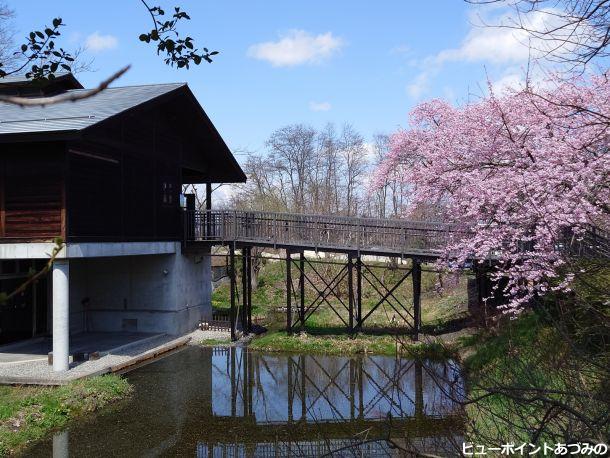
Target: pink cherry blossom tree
x,y
523,171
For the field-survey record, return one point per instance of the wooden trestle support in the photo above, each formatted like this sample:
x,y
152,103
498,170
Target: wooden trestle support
x,y
298,310
354,267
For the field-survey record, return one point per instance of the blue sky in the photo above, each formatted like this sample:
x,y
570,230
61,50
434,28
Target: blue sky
x,y
363,62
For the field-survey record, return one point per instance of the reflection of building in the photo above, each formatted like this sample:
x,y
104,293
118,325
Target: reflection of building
x,y
104,174
228,402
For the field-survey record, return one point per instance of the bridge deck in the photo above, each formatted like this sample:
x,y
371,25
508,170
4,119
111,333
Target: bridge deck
x,y
392,237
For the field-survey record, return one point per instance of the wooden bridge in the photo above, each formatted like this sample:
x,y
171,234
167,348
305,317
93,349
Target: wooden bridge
x,y
293,231
418,241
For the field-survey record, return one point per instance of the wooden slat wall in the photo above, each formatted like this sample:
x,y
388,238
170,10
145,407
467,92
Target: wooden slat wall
x,y
32,192
94,192
123,200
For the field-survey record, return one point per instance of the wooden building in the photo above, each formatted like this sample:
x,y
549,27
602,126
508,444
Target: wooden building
x,y
104,174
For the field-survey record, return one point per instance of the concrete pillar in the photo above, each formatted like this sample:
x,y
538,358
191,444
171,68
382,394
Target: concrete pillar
x,y
61,315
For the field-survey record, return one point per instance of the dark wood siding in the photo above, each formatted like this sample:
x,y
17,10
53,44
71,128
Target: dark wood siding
x,y
94,192
124,177
32,191
125,182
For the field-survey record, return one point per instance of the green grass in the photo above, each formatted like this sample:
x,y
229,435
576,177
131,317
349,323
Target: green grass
x,y
334,342
214,342
531,355
29,413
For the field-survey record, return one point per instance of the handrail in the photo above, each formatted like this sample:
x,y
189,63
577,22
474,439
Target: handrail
x,y
398,236
318,231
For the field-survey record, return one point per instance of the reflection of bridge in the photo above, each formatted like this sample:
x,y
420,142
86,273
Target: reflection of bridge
x,y
351,447
231,402
296,399
311,405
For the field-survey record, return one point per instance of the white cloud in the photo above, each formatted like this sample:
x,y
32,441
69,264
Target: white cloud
x,y
505,43
420,84
401,50
508,82
369,149
297,47
319,106
97,42
499,46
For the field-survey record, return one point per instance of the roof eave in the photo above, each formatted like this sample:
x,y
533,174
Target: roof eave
x,y
55,135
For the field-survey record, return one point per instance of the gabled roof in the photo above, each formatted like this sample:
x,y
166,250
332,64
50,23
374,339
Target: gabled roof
x,y
68,120
21,80
80,114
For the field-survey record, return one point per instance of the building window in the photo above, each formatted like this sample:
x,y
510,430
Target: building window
x,y
168,193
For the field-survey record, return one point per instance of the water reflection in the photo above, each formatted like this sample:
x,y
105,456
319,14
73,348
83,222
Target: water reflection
x,y
231,402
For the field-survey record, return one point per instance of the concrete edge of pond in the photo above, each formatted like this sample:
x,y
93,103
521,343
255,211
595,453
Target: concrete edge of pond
x,y
150,354
39,373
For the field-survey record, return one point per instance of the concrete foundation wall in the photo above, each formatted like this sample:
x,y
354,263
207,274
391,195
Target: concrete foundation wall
x,y
156,293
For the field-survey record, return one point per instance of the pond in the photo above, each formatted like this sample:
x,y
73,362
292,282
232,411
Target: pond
x,y
229,401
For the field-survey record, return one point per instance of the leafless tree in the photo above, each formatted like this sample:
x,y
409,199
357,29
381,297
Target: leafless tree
x,y
291,150
7,36
354,161
571,32
307,171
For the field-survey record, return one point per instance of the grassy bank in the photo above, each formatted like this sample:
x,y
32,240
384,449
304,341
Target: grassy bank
x,y
535,381
344,345
29,413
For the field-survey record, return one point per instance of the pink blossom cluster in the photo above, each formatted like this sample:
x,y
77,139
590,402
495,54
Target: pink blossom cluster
x,y
522,170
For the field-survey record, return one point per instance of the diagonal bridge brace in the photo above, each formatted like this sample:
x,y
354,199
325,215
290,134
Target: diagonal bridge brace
x,y
322,295
385,296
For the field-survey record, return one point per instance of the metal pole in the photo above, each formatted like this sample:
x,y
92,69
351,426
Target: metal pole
x,y
359,292
350,291
250,358
416,275
288,293
290,389
233,286
419,389
302,370
244,395
302,285
360,388
249,262
234,387
352,388
244,286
